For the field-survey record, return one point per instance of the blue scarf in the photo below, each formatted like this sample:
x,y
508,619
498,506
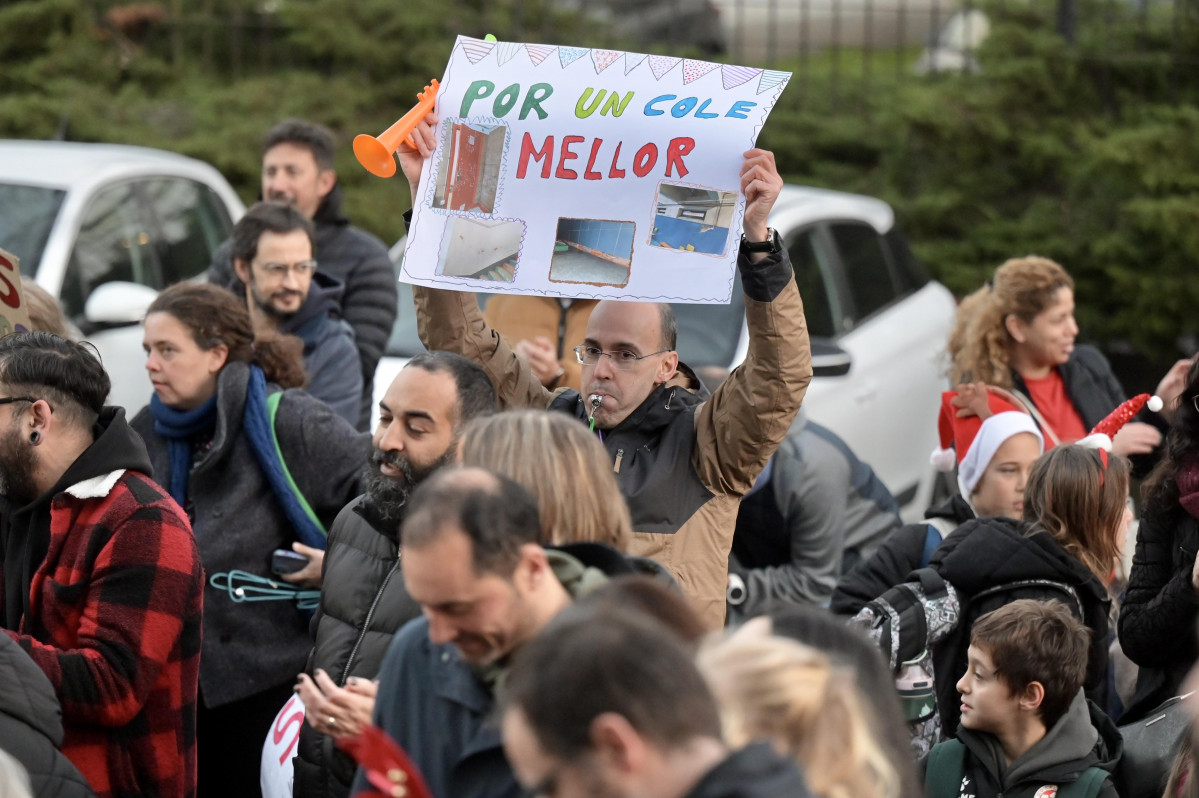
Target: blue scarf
x,y
180,427
256,425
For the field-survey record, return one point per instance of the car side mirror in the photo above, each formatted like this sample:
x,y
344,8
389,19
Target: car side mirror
x,y
829,360
118,304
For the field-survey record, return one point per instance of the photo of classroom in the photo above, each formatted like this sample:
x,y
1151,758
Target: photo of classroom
x,y
593,251
469,174
693,219
481,249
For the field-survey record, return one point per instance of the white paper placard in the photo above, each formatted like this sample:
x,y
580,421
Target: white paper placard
x,y
571,172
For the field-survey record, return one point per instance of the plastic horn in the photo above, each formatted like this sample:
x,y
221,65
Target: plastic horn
x,y
376,154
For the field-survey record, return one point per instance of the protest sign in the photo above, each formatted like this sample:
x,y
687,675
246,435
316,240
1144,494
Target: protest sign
x,y
569,172
14,316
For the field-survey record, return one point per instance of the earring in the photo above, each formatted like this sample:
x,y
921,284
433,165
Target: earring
x,y
35,437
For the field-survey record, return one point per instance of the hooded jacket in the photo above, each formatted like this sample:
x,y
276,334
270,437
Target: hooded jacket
x,y
893,560
363,604
990,552
755,771
1084,737
251,647
439,709
31,726
330,354
359,261
113,617
681,462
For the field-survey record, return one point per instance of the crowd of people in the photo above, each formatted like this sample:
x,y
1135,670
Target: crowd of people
x,y
561,564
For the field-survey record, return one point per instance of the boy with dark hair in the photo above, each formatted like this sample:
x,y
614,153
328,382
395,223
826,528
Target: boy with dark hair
x,y
1027,731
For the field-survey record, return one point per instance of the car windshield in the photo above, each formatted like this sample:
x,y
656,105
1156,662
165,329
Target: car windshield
x,y
26,215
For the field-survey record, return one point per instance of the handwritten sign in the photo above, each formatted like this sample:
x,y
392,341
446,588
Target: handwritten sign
x,y
277,773
563,171
14,315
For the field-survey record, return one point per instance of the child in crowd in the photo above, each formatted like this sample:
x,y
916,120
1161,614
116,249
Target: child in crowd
x,y
1026,730
994,448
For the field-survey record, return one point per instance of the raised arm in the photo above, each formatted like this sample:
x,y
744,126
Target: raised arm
x,y
739,428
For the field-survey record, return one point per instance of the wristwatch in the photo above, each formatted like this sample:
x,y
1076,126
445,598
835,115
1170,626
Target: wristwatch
x,y
772,245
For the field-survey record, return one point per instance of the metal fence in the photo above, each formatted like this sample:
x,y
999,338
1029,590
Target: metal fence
x,y
869,44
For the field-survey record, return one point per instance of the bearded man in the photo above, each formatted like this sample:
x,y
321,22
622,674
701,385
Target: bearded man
x,y
363,597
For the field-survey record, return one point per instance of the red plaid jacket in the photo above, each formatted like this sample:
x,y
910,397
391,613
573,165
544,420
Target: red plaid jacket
x,y
115,624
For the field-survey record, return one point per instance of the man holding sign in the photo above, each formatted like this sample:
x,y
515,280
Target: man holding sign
x,y
682,461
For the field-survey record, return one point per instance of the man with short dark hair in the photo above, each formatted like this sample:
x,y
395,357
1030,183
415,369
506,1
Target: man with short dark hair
x,y
364,599
607,704
272,255
485,588
682,460
102,583
297,169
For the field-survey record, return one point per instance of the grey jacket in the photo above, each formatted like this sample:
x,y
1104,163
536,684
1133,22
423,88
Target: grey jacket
x,y
813,515
360,262
31,726
250,647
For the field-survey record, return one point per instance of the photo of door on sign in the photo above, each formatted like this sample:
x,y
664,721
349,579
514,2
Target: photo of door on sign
x,y
470,170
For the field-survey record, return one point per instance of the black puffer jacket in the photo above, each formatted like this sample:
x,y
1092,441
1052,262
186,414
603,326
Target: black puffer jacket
x,y
1157,618
989,552
31,726
898,556
359,261
363,604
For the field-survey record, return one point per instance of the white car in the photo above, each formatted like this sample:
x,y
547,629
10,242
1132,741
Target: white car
x,y
878,327
104,228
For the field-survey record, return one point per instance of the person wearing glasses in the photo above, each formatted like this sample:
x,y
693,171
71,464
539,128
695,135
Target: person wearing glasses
x,y
682,459
272,255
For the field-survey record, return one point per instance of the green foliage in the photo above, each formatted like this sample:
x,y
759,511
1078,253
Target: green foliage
x,y
1085,152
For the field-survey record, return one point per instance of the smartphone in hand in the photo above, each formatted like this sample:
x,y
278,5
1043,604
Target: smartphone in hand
x,y
286,561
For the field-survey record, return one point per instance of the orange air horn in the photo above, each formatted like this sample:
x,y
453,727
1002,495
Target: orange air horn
x,y
377,154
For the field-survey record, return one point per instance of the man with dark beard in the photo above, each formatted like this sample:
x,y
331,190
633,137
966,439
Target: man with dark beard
x,y
100,579
272,256
363,598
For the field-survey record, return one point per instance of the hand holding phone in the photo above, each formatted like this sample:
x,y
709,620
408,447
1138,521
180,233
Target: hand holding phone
x,y
285,561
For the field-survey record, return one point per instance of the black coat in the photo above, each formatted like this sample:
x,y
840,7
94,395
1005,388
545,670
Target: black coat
x,y
31,726
1157,618
363,604
898,556
755,771
988,552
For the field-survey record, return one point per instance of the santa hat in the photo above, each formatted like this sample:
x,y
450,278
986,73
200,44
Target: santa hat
x,y
1101,436
973,441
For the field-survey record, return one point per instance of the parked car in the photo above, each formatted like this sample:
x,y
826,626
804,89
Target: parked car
x,y
878,326
104,228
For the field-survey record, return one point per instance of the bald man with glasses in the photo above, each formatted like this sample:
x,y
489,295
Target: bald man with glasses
x,y
272,256
682,458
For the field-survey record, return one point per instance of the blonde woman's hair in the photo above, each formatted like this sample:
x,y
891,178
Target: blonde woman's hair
x,y
562,464
45,313
980,344
777,689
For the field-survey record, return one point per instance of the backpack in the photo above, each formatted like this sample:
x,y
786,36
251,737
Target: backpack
x,y
945,771
924,625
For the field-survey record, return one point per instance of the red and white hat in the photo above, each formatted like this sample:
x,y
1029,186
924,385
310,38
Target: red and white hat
x,y
1101,436
971,442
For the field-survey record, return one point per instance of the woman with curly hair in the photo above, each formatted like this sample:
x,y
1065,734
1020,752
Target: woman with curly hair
x,y
1161,605
1018,332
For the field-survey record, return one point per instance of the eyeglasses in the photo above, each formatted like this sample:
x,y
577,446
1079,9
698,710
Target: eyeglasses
x,y
621,358
4,400
304,268
547,787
